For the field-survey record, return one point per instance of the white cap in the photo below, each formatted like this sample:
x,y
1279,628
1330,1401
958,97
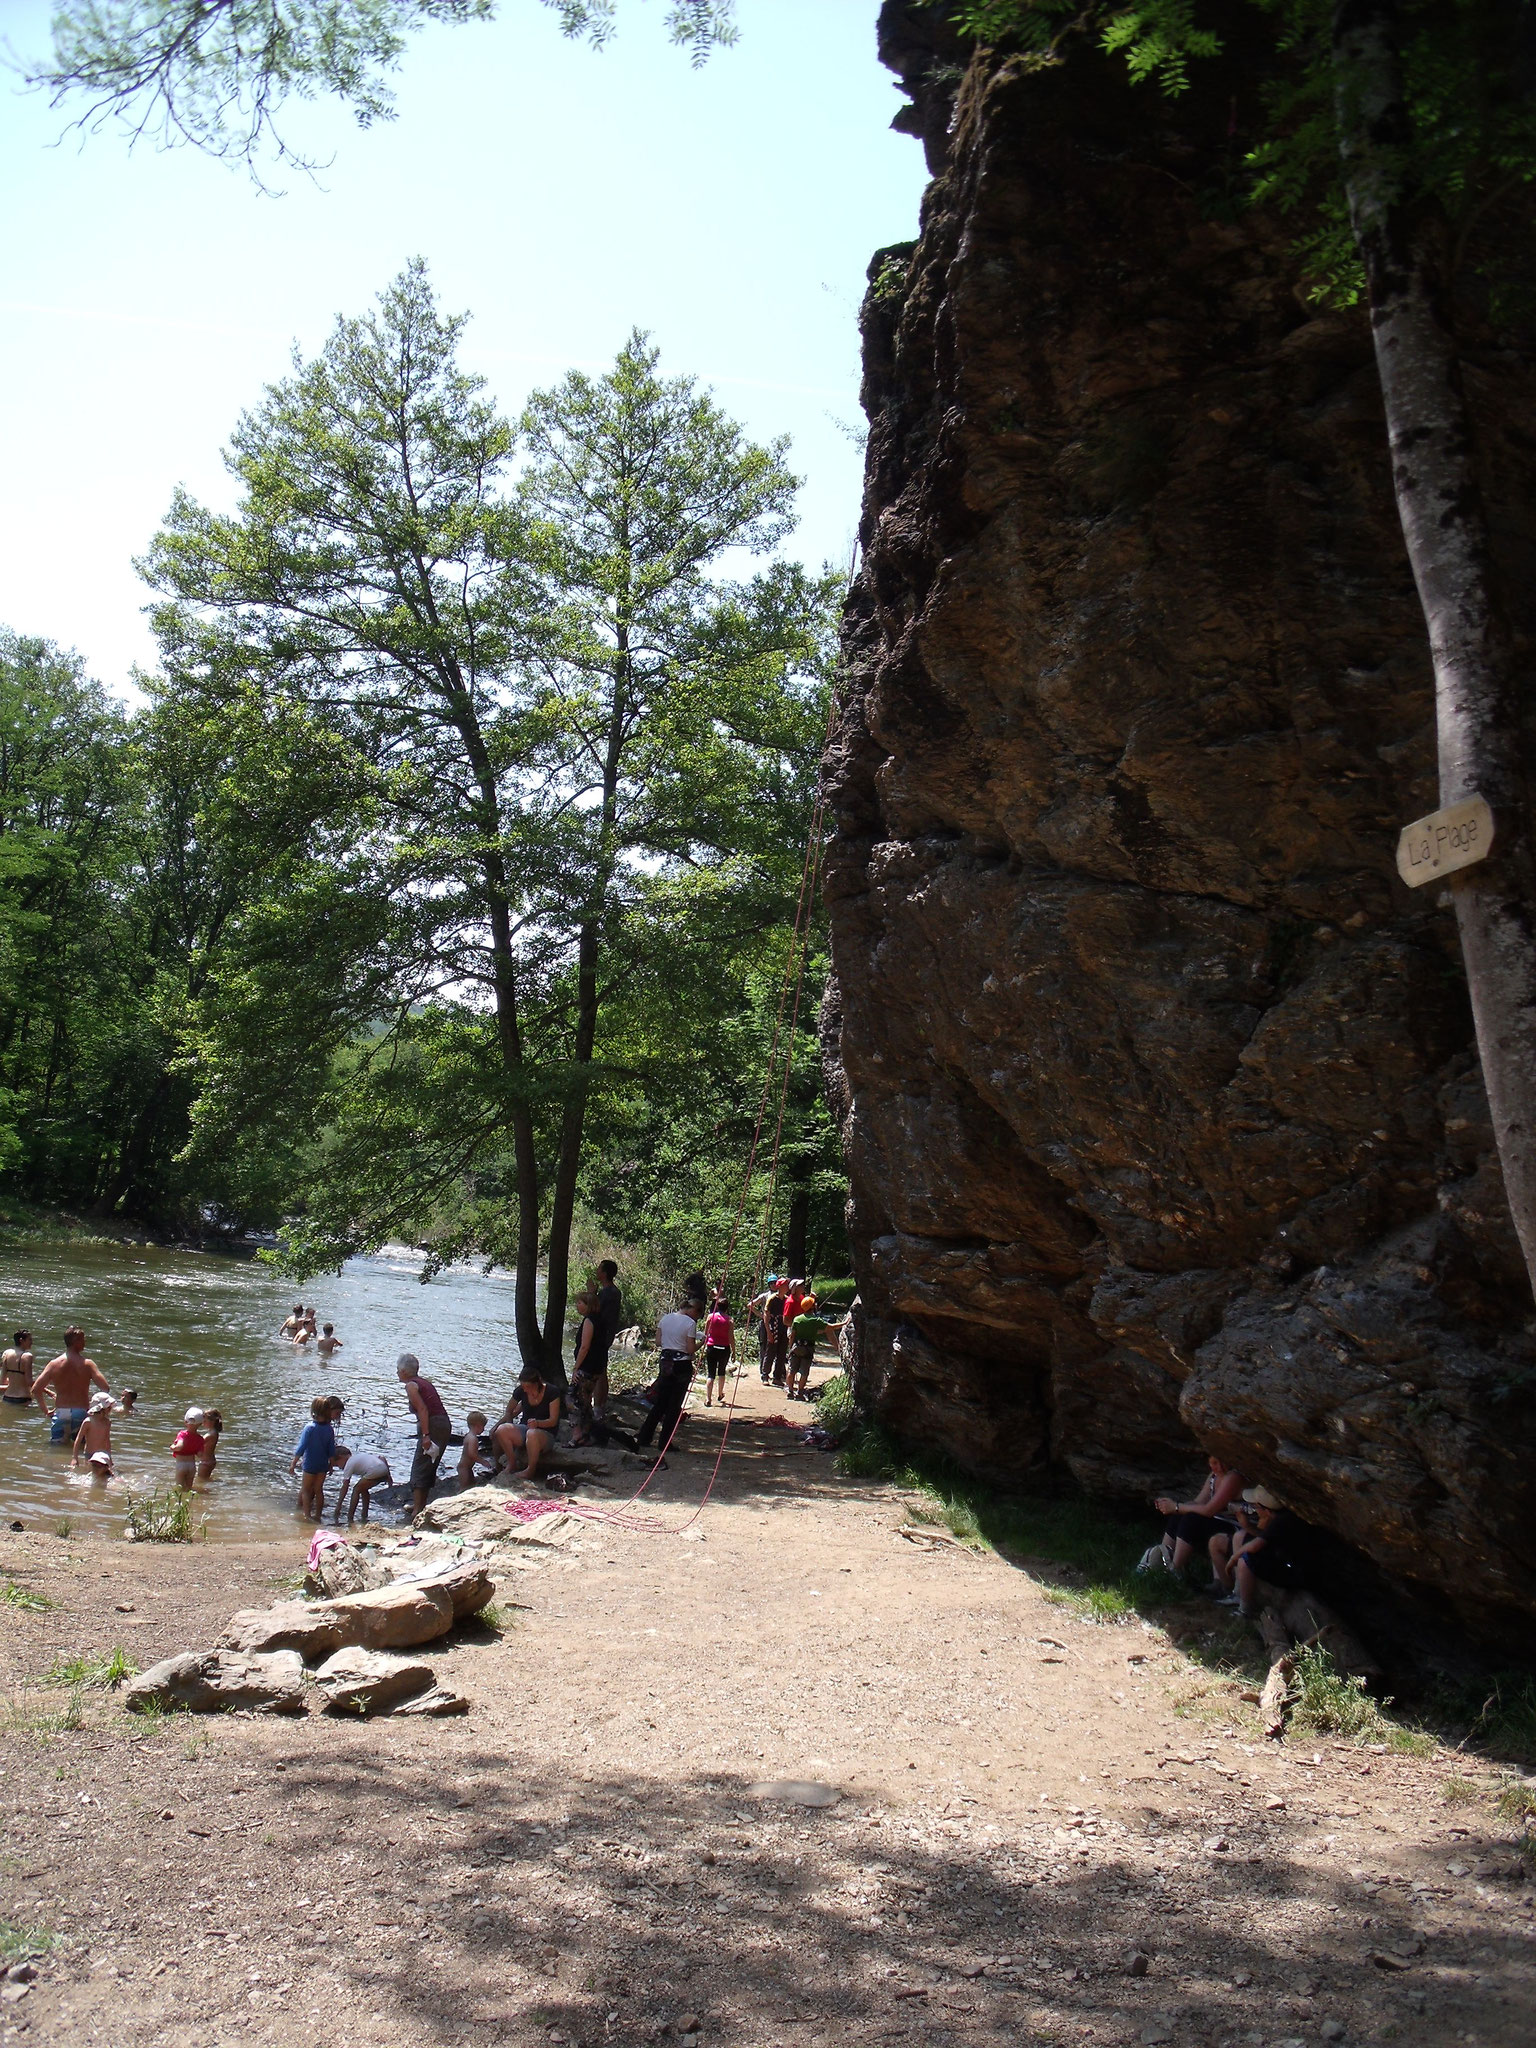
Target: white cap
x,y
100,1402
193,1415
100,1458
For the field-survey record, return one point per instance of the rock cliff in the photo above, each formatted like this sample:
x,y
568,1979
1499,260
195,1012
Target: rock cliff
x,y
1157,1086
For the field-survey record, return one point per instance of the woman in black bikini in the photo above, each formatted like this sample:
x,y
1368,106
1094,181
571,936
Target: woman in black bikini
x,y
16,1371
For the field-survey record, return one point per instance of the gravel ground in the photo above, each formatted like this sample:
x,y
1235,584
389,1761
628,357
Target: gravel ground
x,y
1049,1830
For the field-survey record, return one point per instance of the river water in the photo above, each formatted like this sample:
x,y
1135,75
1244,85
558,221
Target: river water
x,y
190,1329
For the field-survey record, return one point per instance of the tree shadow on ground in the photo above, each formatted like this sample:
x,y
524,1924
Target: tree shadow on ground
x,y
623,1908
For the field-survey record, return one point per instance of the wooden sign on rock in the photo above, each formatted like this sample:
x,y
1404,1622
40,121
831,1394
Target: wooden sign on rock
x,y
1444,841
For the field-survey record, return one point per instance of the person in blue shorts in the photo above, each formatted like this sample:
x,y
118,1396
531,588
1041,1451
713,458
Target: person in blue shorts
x,y
314,1452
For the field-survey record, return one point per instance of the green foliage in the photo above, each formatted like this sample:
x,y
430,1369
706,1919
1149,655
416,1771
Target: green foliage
x,y
168,1516
1328,1701
103,1673
21,1944
557,771
217,73
1460,1792
1470,148
834,1404
24,1599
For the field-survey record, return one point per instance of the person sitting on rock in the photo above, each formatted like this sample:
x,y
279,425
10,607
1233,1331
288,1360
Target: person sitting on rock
x,y
1188,1526
1265,1552
531,1434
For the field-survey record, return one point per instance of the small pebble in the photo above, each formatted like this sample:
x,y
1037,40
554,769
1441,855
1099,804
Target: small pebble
x,y
1332,2030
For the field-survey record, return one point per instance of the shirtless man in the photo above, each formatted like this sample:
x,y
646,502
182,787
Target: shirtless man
x,y
69,1378
294,1323
16,1371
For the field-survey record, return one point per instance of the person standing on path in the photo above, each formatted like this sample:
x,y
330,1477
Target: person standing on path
x,y
677,1336
69,1378
719,1347
433,1428
777,1326
607,1310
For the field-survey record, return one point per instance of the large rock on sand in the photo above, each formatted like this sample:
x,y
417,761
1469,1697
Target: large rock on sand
x,y
395,1617
216,1681
360,1682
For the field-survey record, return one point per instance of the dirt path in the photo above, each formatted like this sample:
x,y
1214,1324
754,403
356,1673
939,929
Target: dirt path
x,y
1031,1803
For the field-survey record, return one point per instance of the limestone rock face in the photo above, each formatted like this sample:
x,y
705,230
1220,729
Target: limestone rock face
x,y
216,1681
1157,1086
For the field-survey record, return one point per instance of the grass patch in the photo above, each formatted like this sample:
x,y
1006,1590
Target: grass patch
x,y
20,1944
494,1617
834,1404
105,1673
1329,1702
1518,1802
64,1527
1460,1792
168,1516
24,1598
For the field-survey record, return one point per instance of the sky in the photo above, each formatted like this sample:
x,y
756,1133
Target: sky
x,y
560,195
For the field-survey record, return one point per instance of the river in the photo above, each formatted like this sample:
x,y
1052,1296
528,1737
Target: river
x,y
190,1329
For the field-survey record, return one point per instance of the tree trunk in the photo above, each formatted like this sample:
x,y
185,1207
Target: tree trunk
x,y
588,949
799,1220
1403,245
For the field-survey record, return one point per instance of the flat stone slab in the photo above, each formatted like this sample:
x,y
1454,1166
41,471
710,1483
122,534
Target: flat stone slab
x,y
796,1792
436,1703
360,1682
218,1681
393,1618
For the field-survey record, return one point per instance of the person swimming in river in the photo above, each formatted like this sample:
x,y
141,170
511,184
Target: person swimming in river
x,y
95,1437
329,1343
294,1323
16,1371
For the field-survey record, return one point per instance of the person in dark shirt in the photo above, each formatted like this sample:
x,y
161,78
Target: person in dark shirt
x,y
533,1432
1268,1551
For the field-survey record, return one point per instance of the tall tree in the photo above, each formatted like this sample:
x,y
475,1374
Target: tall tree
x,y
561,714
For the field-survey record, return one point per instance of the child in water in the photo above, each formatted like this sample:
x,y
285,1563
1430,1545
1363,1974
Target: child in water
x,y
477,1459
187,1447
314,1450
95,1438
329,1343
213,1429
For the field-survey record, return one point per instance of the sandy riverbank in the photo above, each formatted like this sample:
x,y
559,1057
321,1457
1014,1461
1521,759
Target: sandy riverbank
x,y
1030,1802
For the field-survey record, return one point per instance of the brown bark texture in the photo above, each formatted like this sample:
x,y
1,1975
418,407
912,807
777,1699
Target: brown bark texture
x,y
1159,1090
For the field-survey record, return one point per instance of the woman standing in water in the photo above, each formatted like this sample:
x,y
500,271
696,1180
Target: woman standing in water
x,y
16,1371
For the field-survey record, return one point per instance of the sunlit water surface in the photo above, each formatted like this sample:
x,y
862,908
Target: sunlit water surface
x,y
190,1329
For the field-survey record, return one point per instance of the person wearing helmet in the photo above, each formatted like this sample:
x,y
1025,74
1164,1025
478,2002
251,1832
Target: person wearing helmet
x,y
805,1333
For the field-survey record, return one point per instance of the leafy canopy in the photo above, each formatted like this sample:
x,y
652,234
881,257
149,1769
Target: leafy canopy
x,y
217,73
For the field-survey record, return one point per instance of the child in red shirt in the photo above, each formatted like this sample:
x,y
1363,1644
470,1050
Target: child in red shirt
x,y
188,1446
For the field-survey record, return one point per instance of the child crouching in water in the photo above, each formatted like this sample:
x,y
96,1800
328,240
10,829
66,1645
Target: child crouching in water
x,y
314,1451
